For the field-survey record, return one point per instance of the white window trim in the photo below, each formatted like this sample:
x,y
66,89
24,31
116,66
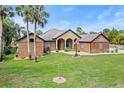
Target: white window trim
x,y
47,44
100,45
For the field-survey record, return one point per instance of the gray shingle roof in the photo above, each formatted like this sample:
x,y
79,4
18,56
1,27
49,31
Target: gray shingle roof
x,y
88,37
29,35
52,33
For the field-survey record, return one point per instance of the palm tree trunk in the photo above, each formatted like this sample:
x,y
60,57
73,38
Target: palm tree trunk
x,y
28,42
1,46
35,53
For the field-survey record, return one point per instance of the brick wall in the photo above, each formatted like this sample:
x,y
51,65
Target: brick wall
x,y
85,48
23,50
52,45
62,45
95,47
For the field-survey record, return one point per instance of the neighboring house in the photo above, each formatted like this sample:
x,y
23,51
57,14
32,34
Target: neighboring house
x,y
59,40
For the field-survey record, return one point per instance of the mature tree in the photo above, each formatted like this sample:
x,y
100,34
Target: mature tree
x,y
25,12
39,18
114,36
121,31
80,31
19,29
5,11
24,32
106,31
92,32
9,32
121,39
39,32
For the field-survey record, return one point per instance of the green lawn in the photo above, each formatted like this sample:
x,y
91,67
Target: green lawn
x,y
84,71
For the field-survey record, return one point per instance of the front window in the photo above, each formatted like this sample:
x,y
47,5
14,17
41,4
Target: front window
x,y
100,45
47,44
81,45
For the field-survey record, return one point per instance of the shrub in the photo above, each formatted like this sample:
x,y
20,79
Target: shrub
x,y
7,51
10,50
67,49
47,50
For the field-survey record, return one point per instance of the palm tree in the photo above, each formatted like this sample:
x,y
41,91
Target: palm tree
x,y
5,11
19,29
25,12
39,18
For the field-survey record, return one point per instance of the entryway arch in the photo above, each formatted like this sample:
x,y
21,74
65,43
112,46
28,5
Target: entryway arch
x,y
69,42
60,44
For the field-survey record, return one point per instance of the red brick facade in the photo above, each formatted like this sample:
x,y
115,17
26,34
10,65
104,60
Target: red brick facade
x,y
96,49
23,50
52,45
94,46
85,47
97,45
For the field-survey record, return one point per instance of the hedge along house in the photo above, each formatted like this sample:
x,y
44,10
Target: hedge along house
x,y
59,40
22,50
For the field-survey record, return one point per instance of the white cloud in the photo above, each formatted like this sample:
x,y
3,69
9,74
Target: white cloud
x,y
105,13
68,8
62,25
19,20
91,15
115,23
119,14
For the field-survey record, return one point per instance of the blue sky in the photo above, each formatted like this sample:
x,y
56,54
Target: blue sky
x,y
90,18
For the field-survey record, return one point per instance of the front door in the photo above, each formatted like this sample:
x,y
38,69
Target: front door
x,y
69,43
59,45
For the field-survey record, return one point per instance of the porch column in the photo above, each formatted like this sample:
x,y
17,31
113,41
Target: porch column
x,y
65,43
56,44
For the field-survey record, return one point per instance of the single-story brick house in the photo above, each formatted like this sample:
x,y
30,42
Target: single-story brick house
x,y
59,40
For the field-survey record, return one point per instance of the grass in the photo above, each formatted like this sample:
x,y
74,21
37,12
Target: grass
x,y
84,71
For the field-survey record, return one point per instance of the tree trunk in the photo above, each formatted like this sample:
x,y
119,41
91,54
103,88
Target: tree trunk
x,y
28,42
1,45
35,52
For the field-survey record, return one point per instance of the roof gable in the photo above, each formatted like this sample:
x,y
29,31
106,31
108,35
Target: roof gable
x,y
52,34
48,36
99,36
30,35
67,32
91,37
